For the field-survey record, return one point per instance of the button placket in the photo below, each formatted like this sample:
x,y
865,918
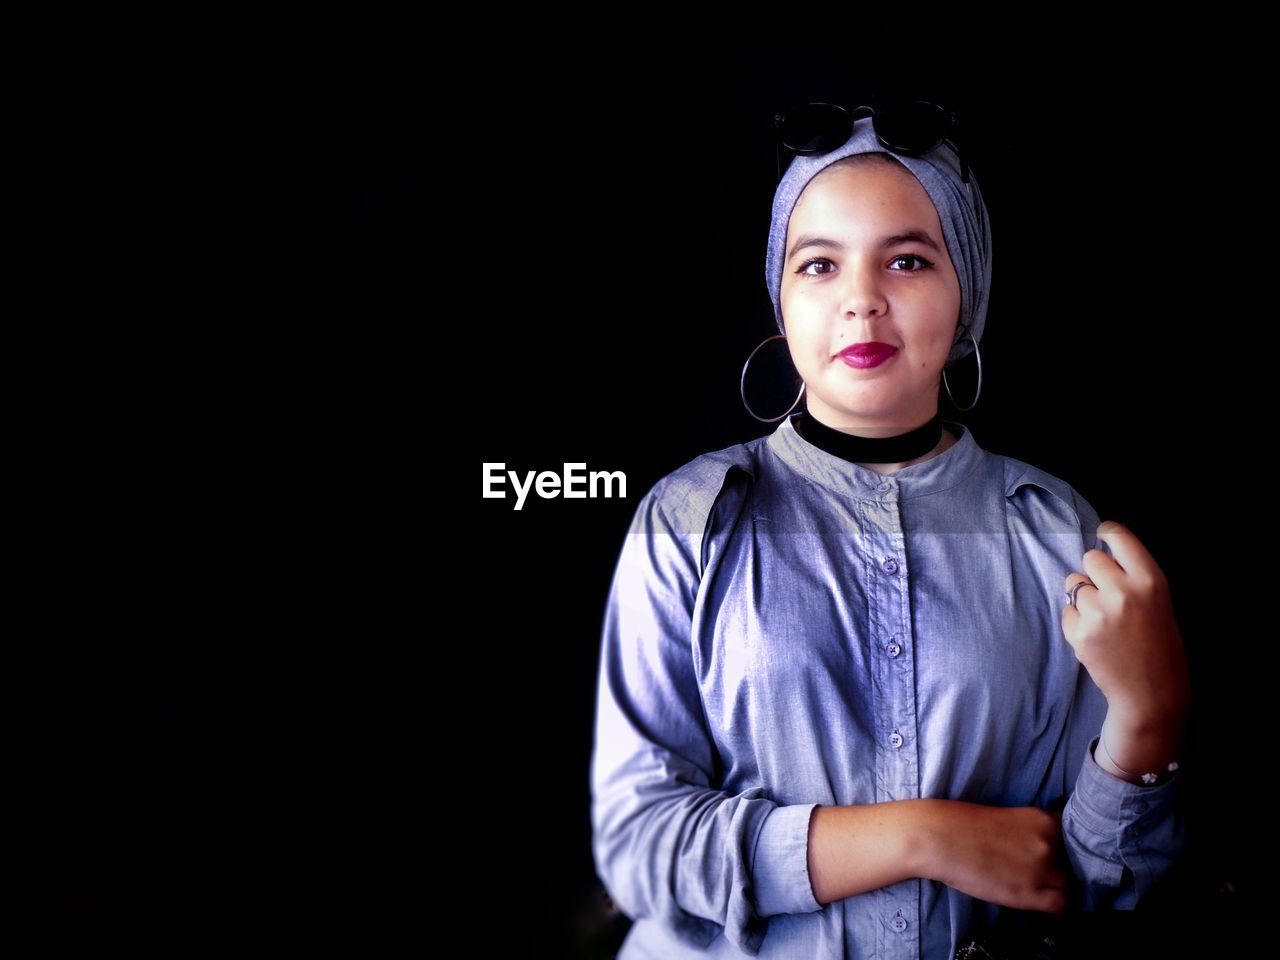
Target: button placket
x,y
893,686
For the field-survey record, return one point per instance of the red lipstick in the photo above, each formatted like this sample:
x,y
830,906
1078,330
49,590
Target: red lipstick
x,y
864,355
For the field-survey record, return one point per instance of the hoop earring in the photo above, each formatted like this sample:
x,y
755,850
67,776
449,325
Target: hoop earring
x,y
978,356
742,384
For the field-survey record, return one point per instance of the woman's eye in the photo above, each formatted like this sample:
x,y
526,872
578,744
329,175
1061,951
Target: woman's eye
x,y
804,267
924,264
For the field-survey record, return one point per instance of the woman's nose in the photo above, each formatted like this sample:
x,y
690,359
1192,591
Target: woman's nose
x,y
862,294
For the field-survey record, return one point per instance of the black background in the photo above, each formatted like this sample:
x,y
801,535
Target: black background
x,y
346,695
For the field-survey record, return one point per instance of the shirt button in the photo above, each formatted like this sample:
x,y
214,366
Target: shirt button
x,y
895,739
890,565
885,487
895,648
1140,806
899,923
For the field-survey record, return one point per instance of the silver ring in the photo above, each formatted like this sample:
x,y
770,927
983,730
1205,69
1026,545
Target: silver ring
x,y
1071,594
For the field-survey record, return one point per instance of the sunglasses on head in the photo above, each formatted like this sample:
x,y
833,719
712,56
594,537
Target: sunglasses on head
x,y
910,127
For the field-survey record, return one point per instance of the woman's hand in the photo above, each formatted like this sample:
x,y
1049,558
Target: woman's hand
x,y
1123,631
1012,856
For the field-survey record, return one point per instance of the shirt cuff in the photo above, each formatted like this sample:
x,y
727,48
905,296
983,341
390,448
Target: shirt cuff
x,y
1102,799
780,864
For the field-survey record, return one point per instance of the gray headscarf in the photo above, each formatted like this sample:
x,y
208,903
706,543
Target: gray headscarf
x,y
967,231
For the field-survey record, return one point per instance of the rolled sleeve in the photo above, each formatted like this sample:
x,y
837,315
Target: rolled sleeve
x,y
780,865
668,842
1122,838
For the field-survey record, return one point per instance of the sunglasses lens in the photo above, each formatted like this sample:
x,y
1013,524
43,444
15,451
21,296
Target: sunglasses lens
x,y
815,128
913,127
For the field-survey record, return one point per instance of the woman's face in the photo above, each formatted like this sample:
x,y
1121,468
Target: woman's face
x,y
857,284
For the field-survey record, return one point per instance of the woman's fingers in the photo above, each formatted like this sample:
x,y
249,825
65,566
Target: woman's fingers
x,y
1127,550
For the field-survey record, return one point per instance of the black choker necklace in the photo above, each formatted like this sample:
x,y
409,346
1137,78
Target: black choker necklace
x,y
899,449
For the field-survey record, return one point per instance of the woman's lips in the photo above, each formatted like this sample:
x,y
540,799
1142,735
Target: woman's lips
x,y
864,355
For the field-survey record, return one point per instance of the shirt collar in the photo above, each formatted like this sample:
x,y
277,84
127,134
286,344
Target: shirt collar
x,y
850,479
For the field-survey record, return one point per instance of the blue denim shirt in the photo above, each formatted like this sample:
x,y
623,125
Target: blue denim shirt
x,y
786,629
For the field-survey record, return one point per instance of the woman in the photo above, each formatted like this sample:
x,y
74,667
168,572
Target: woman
x,y
842,697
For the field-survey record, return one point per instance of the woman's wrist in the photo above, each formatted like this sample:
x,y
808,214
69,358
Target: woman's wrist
x,y
1129,749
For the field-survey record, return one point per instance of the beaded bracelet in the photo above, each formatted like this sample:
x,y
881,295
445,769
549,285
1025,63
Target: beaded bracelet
x,y
1147,778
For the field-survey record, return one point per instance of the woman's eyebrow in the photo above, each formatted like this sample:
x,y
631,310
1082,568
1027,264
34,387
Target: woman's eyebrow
x,y
906,236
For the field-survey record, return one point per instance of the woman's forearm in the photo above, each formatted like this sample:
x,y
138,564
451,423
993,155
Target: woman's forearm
x,y
853,849
1004,855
